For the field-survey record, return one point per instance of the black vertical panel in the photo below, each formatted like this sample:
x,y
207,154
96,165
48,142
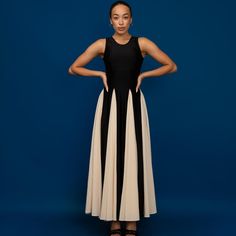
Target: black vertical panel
x,y
104,127
138,131
121,102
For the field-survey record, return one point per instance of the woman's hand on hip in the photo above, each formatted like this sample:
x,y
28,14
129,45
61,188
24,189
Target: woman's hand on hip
x,y
139,81
104,79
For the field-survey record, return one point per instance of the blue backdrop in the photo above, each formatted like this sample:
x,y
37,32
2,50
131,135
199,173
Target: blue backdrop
x,y
47,115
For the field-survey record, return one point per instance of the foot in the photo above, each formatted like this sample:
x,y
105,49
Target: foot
x,y
115,229
131,228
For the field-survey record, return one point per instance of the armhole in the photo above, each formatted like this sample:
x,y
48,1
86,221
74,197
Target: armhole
x,y
139,47
105,50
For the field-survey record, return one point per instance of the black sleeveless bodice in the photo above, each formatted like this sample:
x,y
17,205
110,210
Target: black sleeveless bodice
x,y
123,63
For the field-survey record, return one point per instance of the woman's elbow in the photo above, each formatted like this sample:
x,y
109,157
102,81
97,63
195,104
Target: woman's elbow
x,y
173,68
70,71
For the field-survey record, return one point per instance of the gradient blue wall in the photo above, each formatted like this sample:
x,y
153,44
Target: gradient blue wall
x,y
47,115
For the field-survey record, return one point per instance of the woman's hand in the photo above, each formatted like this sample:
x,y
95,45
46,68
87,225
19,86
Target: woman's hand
x,y
104,79
139,81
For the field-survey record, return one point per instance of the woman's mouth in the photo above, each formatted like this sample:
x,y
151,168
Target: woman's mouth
x,y
121,28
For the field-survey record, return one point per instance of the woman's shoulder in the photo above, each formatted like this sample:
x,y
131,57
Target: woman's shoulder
x,y
100,40
101,45
145,41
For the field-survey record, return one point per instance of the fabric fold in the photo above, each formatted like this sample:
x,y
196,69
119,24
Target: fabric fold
x,y
129,200
108,208
94,185
149,188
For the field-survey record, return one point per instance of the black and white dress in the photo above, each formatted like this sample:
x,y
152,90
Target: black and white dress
x,y
120,183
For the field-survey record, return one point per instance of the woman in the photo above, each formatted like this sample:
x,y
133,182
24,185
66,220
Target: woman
x,y
120,179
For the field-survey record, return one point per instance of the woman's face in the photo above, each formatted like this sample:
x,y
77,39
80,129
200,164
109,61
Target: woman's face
x,y
120,18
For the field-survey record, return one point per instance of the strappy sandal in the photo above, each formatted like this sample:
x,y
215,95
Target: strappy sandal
x,y
131,231
115,231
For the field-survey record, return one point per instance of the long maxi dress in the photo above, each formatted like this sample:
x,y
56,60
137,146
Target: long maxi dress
x,y
120,183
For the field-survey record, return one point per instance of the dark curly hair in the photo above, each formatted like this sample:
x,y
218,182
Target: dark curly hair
x,y
120,2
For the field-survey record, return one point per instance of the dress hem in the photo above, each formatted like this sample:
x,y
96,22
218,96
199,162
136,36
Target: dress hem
x,y
112,219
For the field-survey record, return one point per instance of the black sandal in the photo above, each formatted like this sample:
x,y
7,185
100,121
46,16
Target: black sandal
x,y
131,231
115,231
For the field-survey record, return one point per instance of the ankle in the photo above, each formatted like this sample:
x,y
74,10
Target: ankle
x,y
115,224
131,225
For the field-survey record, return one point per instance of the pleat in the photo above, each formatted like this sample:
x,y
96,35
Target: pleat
x,y
94,184
108,207
149,188
129,209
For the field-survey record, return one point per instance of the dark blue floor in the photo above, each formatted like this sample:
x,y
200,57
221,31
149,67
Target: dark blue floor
x,y
175,218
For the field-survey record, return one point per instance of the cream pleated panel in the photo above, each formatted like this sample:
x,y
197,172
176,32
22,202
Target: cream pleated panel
x,y
108,208
129,209
94,184
149,188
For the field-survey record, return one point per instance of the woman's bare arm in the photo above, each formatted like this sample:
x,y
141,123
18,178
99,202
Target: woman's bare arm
x,y
150,48
93,50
